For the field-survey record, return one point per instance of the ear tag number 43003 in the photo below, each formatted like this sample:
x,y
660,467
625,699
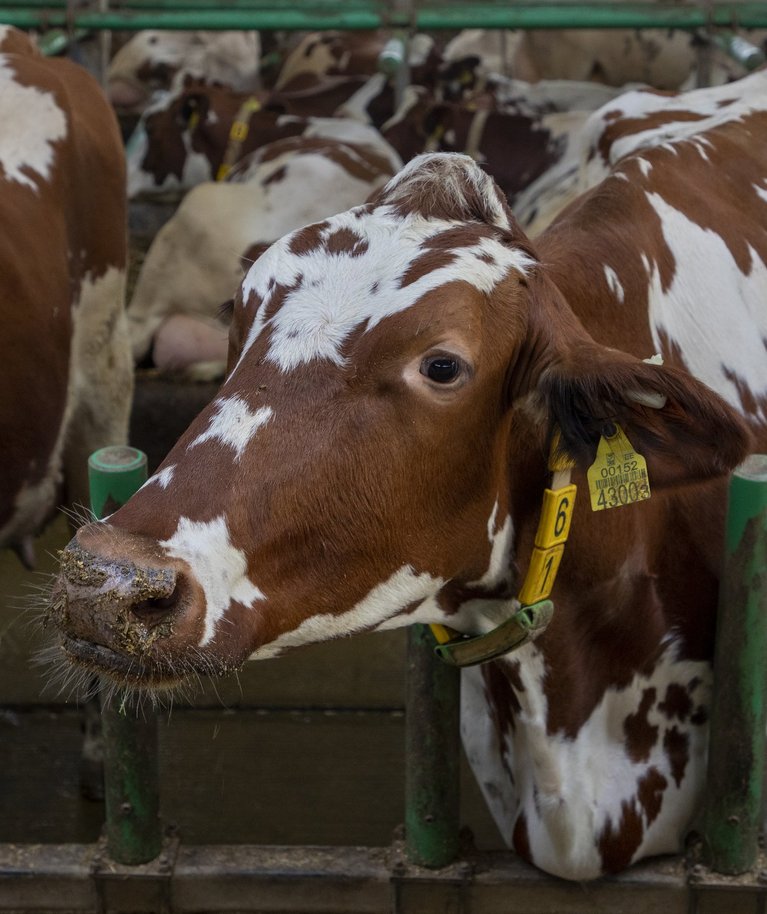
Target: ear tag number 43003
x,y
618,476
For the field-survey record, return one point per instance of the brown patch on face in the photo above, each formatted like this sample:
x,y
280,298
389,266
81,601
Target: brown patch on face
x,y
641,736
308,239
251,254
345,241
677,748
441,250
676,703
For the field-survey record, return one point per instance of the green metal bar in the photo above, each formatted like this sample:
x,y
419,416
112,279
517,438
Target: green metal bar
x,y
432,747
732,814
131,773
370,14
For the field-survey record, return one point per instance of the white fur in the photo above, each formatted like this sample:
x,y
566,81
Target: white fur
x,y
570,789
690,310
234,424
163,478
219,567
614,284
404,587
31,149
334,297
194,262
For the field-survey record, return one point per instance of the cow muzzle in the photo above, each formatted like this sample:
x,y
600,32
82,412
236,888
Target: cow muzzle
x,y
129,619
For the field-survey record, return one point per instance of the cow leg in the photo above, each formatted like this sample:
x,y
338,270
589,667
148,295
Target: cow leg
x,y
101,370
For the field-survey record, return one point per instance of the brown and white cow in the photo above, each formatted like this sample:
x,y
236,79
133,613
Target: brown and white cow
x,y
195,262
665,59
517,133
379,451
319,55
64,353
154,61
184,137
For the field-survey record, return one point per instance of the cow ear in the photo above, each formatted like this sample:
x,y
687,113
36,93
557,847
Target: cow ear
x,y
685,431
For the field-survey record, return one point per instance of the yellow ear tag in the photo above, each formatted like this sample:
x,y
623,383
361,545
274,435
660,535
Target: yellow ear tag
x,y
618,476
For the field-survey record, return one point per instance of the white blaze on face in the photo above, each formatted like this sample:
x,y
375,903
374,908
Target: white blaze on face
x,y
234,424
708,284
27,155
500,550
219,567
336,293
162,479
404,588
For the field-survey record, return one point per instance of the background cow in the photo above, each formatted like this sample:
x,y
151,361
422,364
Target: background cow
x,y
155,60
399,376
67,375
196,262
184,138
666,59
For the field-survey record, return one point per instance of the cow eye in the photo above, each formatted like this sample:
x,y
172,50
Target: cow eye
x,y
443,369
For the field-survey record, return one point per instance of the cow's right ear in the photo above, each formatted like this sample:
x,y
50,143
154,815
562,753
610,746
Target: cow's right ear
x,y
685,431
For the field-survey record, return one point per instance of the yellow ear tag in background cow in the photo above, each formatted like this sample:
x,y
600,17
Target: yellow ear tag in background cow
x,y
618,476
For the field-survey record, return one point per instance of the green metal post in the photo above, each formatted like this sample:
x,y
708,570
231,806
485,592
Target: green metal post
x,y
732,815
131,774
432,746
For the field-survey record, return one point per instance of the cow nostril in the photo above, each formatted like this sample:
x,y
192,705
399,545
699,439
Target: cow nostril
x,y
155,609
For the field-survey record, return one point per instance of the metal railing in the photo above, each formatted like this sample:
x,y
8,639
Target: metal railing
x,y
374,14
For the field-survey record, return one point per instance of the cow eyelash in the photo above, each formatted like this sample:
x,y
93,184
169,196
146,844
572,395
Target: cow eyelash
x,y
227,309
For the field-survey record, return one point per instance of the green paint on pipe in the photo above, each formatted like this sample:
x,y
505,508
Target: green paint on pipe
x,y
432,752
369,14
732,814
131,766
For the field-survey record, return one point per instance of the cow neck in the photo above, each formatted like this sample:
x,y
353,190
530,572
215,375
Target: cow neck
x,y
238,133
535,607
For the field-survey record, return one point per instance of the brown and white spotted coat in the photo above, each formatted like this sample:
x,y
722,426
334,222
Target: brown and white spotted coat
x,y
154,60
196,261
378,451
64,354
183,137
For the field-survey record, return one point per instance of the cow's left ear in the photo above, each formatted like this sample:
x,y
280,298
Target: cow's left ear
x,y
685,431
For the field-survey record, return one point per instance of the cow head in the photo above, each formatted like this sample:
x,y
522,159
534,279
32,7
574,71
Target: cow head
x,y
183,135
151,59
396,373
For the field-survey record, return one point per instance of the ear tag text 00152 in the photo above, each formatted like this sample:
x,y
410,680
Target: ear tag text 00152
x,y
618,476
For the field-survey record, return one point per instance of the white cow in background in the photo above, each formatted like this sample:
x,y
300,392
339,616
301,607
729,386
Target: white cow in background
x,y
155,60
197,259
